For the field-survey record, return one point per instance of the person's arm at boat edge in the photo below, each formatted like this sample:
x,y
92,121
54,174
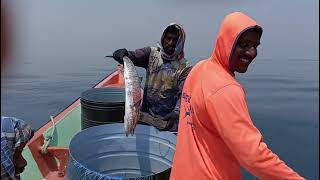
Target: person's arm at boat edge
x,y
228,110
139,57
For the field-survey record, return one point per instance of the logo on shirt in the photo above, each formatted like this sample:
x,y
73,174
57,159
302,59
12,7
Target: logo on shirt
x,y
188,109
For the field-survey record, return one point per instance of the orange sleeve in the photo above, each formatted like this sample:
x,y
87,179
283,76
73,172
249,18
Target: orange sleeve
x,y
229,113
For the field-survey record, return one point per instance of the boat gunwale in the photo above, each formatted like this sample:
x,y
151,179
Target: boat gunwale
x,y
70,107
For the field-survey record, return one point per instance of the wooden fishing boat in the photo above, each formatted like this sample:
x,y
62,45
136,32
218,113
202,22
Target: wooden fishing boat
x,y
47,153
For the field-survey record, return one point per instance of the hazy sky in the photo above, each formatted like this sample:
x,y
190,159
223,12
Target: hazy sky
x,y
97,27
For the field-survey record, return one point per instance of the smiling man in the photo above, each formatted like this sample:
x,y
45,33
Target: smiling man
x,y
245,50
216,134
167,70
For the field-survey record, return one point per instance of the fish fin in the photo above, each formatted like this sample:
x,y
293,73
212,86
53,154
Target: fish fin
x,y
136,97
137,104
141,94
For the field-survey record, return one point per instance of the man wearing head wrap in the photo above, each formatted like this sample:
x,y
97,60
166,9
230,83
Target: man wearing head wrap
x,y
166,71
216,134
15,133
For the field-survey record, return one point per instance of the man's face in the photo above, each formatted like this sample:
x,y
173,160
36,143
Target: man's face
x,y
245,51
19,162
169,42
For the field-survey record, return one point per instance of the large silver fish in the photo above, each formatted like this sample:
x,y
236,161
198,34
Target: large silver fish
x,y
133,96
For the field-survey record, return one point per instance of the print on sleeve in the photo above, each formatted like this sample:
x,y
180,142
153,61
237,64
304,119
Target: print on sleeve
x,y
187,117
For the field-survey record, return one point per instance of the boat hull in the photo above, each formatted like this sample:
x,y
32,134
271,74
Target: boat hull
x,y
52,164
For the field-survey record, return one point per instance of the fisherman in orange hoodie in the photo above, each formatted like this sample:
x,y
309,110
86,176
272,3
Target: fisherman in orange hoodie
x,y
215,133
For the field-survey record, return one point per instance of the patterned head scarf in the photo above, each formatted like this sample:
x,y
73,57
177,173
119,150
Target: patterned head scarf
x,y
178,53
14,132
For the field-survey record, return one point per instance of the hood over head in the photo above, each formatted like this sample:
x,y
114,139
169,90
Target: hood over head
x,y
232,27
179,52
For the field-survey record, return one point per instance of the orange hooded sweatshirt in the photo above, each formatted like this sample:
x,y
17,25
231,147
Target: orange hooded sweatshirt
x,y
215,133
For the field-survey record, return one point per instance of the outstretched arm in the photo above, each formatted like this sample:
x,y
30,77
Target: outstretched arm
x,y
229,110
139,57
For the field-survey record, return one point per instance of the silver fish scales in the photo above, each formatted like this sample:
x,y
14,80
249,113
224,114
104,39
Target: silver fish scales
x,y
133,93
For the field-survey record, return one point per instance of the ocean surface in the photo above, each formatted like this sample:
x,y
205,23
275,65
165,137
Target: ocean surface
x,y
282,95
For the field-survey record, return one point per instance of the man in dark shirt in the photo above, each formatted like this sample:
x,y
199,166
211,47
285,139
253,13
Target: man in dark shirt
x,y
166,70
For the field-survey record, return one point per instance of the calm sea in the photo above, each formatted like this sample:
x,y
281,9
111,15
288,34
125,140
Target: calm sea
x,y
283,99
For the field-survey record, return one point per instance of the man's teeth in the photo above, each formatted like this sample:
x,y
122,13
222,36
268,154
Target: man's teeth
x,y
245,60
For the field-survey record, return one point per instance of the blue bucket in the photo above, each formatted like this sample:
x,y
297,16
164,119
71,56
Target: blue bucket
x,y
104,152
